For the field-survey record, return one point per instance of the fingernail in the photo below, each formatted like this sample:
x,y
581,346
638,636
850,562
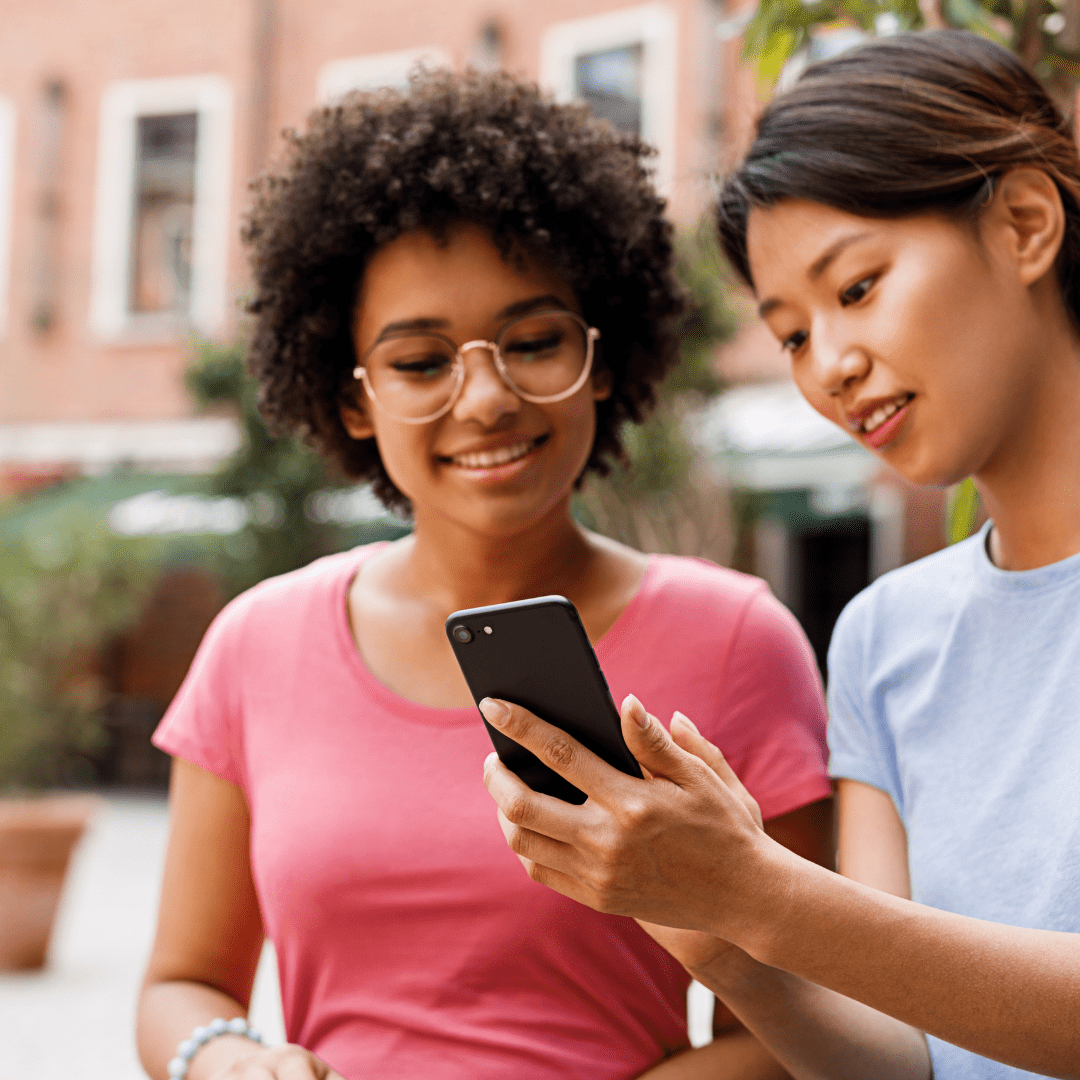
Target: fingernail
x,y
686,720
637,710
489,761
495,712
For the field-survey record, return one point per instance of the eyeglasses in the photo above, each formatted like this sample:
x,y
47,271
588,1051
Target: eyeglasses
x,y
416,377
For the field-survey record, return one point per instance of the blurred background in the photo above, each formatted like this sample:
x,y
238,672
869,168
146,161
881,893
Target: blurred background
x,y
139,490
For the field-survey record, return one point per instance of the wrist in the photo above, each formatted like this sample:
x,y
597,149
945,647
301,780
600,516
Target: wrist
x,y
730,972
214,1058
755,913
212,1047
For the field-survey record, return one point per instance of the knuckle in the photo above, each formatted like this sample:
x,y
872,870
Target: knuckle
x,y
518,809
535,871
519,841
636,811
560,751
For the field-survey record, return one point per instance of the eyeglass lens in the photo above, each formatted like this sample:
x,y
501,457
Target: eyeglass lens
x,y
415,375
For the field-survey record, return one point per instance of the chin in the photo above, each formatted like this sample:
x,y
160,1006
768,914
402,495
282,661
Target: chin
x,y
934,471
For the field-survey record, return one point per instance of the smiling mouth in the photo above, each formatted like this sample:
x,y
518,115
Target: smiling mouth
x,y
491,459
883,413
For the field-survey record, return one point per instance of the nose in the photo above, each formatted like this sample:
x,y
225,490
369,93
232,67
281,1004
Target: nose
x,y
836,363
485,398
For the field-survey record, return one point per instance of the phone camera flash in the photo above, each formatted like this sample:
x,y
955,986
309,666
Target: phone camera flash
x,y
487,629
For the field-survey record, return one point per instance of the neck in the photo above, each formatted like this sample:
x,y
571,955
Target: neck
x,y
1031,488
458,567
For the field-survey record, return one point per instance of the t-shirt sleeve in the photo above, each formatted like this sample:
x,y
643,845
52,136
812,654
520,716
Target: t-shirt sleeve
x,y
858,747
773,710
202,724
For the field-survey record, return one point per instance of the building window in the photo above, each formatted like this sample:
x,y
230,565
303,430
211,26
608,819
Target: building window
x,y
7,178
624,65
610,81
340,77
162,208
164,211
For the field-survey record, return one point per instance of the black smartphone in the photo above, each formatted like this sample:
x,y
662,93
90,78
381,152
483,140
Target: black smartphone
x,y
535,653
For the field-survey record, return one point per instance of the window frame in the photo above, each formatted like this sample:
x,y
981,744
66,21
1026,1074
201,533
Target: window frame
x,y
374,71
655,27
122,103
8,129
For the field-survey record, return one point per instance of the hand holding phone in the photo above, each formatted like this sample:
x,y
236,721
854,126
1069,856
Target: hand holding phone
x,y
535,653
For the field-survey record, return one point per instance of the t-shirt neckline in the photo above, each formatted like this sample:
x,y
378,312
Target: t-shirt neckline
x,y
1020,581
430,715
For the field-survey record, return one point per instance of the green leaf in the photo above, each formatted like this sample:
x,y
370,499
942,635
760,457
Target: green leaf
x,y
962,512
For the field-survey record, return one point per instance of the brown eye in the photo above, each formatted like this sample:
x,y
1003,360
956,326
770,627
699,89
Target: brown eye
x,y
795,342
856,292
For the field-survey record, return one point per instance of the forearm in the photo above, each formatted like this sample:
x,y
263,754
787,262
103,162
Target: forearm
x,y
815,1033
1006,993
735,1055
169,1012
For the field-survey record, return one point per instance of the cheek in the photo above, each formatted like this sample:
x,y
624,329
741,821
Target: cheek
x,y
404,451
579,425
810,389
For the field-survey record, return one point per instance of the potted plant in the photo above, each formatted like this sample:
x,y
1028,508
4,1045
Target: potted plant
x,y
66,585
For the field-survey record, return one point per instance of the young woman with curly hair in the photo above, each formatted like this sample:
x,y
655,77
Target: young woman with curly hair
x,y
909,218
462,293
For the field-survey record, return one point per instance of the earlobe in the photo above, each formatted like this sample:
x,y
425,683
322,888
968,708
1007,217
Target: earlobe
x,y
355,419
1030,205
601,384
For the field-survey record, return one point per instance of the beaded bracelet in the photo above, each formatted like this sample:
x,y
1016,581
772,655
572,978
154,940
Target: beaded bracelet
x,y
178,1067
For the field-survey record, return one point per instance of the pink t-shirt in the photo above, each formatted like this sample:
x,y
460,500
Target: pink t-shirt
x,y
410,941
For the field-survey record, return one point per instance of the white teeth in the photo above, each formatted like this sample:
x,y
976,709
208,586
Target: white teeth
x,y
488,459
883,412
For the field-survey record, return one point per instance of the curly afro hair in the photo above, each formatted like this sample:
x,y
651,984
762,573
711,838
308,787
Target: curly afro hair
x,y
485,149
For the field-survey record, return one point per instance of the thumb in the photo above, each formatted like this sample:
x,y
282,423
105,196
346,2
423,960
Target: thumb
x,y
684,733
654,749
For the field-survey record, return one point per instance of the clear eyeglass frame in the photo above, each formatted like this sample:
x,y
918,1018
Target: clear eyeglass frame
x,y
592,335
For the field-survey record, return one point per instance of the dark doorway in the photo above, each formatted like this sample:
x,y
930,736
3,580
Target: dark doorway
x,y
832,564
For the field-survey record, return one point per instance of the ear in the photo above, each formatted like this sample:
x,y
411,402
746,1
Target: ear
x,y
601,384
354,414
1027,209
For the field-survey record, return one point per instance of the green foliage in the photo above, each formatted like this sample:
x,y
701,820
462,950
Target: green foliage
x,y
710,318
663,499
1048,39
67,584
962,512
275,477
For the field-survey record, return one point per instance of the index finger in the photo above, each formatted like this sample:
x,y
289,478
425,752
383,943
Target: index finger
x,y
526,809
562,753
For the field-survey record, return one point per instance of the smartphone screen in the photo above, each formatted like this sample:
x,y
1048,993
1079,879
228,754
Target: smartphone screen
x,y
536,654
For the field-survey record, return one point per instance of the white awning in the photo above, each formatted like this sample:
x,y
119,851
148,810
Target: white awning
x,y
190,445
771,439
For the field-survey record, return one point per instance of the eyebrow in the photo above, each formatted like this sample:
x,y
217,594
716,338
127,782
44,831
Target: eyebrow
x,y
519,307
817,267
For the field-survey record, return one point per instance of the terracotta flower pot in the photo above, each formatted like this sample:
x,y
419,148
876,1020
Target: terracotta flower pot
x,y
37,837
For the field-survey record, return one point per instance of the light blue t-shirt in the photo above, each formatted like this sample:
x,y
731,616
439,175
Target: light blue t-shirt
x,y
955,688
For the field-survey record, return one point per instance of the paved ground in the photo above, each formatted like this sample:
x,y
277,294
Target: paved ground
x,y
74,1020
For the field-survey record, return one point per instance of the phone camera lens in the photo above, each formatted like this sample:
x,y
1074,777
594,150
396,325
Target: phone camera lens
x,y
462,633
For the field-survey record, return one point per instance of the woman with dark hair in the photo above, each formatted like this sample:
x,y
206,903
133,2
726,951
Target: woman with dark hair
x,y
909,218
462,292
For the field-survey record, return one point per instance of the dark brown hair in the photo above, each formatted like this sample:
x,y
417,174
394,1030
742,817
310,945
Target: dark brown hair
x,y
488,149
918,123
